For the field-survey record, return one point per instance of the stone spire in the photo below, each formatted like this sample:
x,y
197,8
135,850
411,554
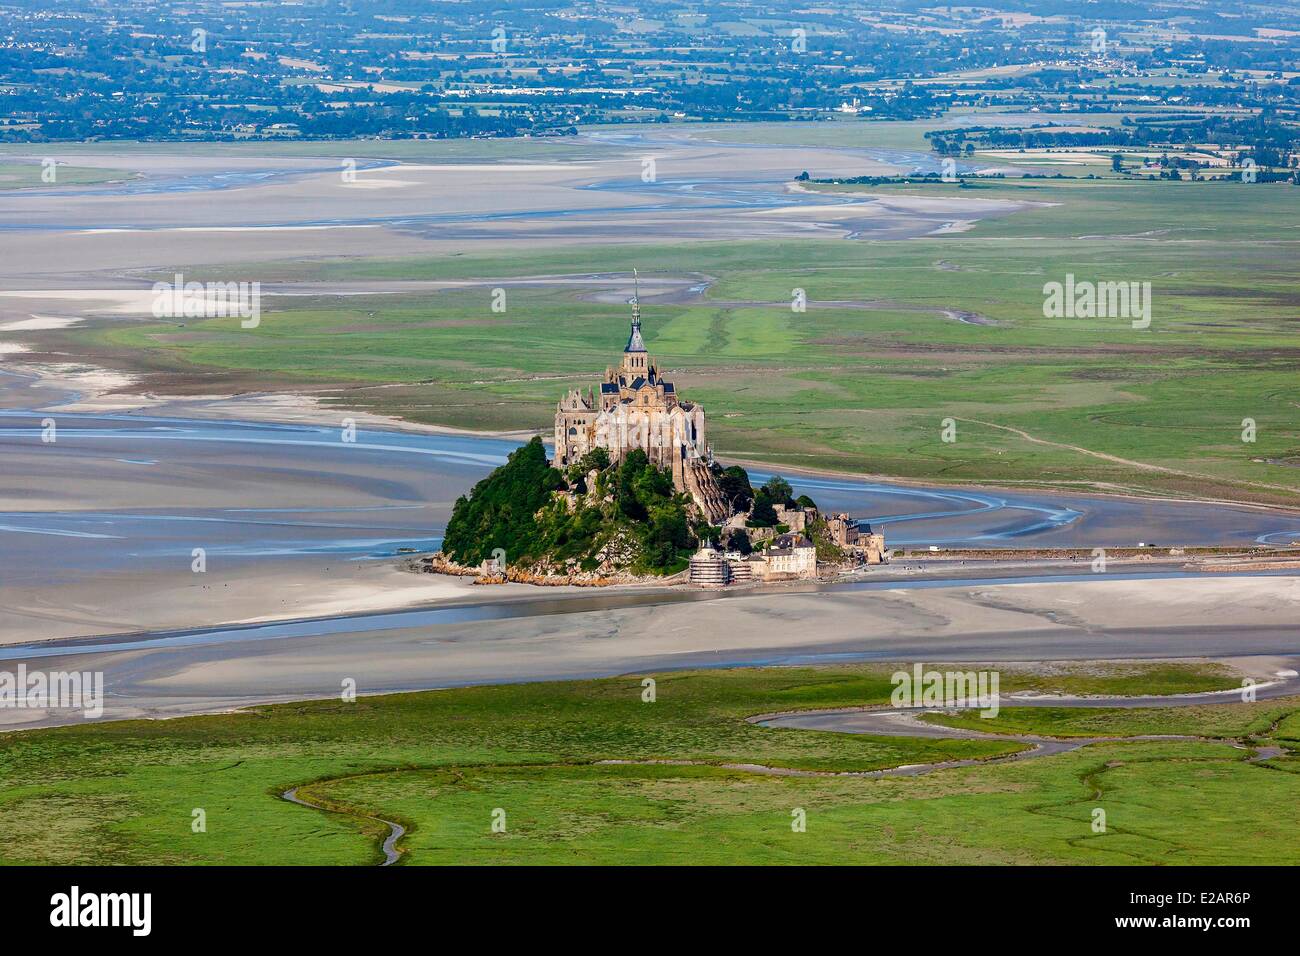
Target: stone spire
x,y
634,341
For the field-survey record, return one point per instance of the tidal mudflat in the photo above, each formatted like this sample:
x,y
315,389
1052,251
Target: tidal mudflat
x,y
101,527
1247,619
294,522
101,530
190,207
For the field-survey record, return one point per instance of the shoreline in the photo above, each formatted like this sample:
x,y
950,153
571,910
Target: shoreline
x,y
93,390
172,674
286,590
632,595
1263,667
812,472
104,393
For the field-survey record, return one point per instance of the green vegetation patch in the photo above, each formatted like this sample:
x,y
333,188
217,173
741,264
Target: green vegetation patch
x,y
617,517
442,762
33,175
897,337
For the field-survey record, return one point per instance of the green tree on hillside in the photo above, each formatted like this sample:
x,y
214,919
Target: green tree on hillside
x,y
779,491
764,513
734,482
498,513
667,536
595,460
640,485
516,508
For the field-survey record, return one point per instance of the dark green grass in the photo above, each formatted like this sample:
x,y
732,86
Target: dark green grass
x,y
28,175
441,762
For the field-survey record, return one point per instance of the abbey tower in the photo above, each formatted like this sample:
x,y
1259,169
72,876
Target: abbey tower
x,y
636,408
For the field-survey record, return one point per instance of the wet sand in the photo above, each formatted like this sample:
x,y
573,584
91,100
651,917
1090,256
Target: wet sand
x,y
98,529
292,519
189,207
1247,619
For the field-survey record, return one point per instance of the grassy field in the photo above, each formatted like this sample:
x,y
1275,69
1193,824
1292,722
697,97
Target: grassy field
x,y
862,380
27,175
443,762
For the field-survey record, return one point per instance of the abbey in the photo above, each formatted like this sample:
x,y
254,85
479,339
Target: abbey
x,y
637,408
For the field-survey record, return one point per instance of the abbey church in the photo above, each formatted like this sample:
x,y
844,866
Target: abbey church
x,y
637,408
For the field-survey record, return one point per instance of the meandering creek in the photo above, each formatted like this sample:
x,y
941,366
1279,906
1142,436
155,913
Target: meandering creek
x,y
906,722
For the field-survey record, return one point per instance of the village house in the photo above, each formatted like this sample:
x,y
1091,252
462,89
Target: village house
x,y
790,555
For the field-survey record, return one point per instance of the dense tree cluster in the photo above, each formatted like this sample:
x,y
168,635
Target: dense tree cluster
x,y
1268,137
149,69
500,510
629,512
775,491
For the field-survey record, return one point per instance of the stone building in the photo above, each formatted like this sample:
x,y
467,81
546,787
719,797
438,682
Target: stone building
x,y
790,555
745,567
872,547
796,519
843,530
637,408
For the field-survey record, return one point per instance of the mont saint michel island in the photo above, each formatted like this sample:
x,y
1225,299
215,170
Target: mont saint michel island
x,y
632,493
533,433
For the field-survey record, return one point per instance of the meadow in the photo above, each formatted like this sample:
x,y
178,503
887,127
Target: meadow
x,y
31,174
445,764
864,379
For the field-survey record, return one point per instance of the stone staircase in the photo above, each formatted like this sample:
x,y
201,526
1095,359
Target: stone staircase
x,y
706,491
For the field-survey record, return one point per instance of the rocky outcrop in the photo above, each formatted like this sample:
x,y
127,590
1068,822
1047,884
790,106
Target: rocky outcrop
x,y
542,575
440,564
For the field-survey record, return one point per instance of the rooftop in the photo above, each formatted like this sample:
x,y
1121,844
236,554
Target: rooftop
x,y
634,341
